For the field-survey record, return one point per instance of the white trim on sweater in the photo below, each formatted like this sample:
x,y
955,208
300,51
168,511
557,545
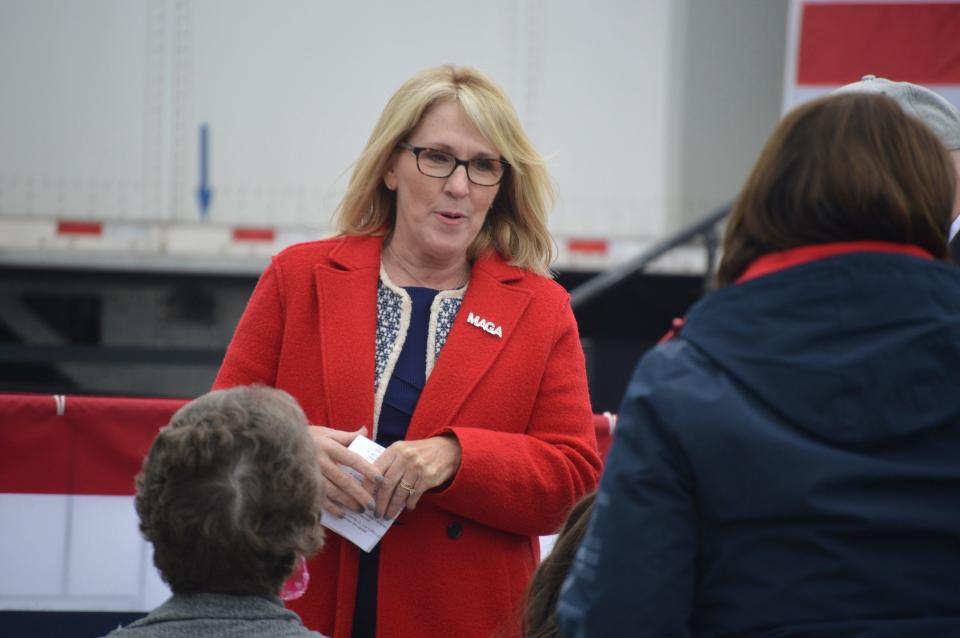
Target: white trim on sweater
x,y
435,334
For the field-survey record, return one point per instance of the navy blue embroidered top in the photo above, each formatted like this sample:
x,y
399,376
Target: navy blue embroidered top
x,y
403,392
409,373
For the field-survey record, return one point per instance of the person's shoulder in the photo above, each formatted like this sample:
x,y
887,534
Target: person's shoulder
x,y
308,252
546,286
543,288
301,632
292,627
674,367
139,627
349,252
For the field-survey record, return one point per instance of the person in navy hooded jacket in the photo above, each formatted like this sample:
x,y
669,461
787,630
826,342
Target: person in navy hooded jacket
x,y
789,464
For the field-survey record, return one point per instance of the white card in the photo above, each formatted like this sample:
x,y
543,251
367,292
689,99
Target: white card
x,y
363,530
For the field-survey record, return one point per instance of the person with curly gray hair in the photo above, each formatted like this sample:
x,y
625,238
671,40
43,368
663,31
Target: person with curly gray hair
x,y
230,497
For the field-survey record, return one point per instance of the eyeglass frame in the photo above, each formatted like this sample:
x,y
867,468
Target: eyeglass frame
x,y
457,162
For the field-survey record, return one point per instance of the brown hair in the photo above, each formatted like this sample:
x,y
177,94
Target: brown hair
x,y
229,493
847,167
539,613
516,226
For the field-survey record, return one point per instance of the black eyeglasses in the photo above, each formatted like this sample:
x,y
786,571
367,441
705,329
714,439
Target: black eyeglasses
x,y
483,171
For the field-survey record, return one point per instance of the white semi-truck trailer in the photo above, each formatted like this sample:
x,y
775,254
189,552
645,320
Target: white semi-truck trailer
x,y
155,153
204,135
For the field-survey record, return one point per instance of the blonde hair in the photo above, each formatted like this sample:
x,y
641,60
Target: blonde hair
x,y
516,226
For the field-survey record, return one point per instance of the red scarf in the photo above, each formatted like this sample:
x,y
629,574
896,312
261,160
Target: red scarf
x,y
775,262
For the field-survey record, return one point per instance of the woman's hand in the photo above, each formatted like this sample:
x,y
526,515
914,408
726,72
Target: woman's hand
x,y
344,491
410,468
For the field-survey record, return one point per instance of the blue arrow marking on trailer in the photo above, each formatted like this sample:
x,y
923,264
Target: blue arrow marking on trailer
x,y
204,192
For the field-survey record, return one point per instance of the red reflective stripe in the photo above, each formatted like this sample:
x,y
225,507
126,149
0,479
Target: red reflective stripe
x,y
917,42
785,259
598,246
79,228
253,234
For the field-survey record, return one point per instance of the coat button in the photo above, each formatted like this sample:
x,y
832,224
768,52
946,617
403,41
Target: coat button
x,y
454,530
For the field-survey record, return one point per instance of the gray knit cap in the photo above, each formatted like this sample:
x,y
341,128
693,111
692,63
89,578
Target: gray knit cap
x,y
932,109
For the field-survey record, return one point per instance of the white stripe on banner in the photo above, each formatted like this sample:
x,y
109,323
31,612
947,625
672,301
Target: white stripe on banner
x,y
71,553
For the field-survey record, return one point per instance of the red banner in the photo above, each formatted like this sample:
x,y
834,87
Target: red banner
x,y
841,42
95,447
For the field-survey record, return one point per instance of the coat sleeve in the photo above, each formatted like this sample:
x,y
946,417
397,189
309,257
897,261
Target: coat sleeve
x,y
526,483
634,572
254,352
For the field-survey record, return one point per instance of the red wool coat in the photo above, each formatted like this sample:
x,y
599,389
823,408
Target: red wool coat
x,y
519,406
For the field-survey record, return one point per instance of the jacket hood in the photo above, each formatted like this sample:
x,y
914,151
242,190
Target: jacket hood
x,y
854,349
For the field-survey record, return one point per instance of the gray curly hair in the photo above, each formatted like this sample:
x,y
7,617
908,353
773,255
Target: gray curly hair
x,y
230,493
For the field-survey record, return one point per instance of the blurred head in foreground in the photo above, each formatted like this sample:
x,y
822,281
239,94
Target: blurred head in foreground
x,y
230,493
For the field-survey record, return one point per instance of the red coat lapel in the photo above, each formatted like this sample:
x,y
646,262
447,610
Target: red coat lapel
x,y
347,295
470,350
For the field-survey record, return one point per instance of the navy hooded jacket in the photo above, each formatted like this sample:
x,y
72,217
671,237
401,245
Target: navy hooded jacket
x,y
788,466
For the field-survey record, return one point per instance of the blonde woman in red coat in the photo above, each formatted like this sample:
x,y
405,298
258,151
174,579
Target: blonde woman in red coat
x,y
430,324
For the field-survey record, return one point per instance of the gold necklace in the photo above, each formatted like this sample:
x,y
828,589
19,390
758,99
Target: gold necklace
x,y
419,281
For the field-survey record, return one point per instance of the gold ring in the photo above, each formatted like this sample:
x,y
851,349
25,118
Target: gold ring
x,y
409,488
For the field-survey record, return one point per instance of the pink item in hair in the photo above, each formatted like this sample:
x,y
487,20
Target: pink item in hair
x,y
296,585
